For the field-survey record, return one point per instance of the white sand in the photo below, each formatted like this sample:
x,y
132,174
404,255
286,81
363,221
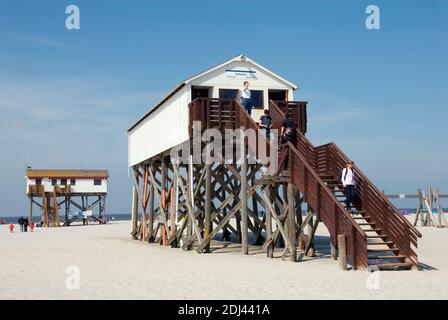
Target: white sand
x,y
33,265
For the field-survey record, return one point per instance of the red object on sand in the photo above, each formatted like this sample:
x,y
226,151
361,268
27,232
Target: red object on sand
x,y
11,227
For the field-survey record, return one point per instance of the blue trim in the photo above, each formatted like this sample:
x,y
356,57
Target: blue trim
x,y
245,71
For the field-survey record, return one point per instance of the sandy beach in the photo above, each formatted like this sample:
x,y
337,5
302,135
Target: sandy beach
x,y
112,266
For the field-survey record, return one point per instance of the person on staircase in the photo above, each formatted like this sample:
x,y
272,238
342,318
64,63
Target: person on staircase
x,y
288,130
266,123
246,97
348,180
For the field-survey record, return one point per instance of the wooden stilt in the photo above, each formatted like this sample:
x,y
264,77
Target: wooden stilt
x,y
30,217
291,221
342,252
208,203
268,222
310,231
243,197
134,212
151,234
333,250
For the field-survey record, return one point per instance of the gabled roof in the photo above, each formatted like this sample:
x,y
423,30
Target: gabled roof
x,y
239,57
80,174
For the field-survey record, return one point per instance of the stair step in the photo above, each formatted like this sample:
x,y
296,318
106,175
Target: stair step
x,y
325,176
394,266
367,224
385,257
374,230
380,243
381,250
377,237
366,217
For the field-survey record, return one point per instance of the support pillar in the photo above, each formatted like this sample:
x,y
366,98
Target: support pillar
x,y
134,212
30,217
208,203
243,197
291,222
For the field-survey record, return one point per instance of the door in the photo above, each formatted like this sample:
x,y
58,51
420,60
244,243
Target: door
x,y
201,92
278,95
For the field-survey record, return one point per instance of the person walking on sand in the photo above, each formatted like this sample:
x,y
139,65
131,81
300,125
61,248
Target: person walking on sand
x,y
348,182
21,221
32,225
26,224
246,97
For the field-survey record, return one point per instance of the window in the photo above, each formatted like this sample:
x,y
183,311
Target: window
x,y
54,182
73,182
38,182
257,99
97,182
228,93
63,182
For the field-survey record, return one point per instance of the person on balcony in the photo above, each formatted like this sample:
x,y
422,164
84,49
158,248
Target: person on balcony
x,y
348,182
246,97
266,123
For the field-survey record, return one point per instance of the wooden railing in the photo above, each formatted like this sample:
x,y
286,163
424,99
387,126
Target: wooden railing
x,y
329,159
213,113
330,211
382,212
298,112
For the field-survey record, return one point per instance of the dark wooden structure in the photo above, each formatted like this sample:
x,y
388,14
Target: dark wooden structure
x,y
196,203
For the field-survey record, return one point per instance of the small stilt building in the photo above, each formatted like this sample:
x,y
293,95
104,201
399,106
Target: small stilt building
x,y
194,197
56,192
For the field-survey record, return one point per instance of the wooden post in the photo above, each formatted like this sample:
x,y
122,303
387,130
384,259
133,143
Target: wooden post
x,y
208,203
30,218
291,222
333,250
243,196
301,238
190,195
270,248
310,233
342,248
174,210
134,212
151,234
163,183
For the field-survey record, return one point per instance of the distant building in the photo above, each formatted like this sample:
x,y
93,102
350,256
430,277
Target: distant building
x,y
50,189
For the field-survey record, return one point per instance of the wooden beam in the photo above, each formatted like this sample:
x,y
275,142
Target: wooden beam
x,y
134,213
208,203
342,248
268,222
243,196
291,221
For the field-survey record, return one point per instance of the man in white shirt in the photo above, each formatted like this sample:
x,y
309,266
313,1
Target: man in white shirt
x,y
246,97
348,181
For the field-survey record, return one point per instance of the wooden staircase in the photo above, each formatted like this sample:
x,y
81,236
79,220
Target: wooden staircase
x,y
382,252
385,238
376,234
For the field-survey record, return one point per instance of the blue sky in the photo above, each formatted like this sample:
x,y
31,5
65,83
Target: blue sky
x,y
67,97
